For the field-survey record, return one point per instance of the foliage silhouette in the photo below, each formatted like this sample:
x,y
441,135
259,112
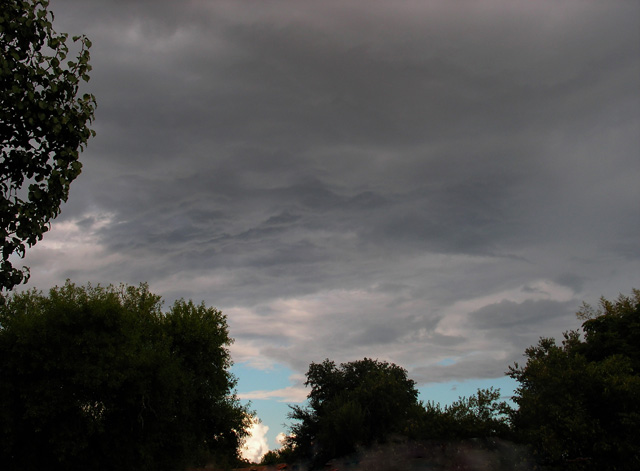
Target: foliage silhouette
x,y
354,404
482,415
43,126
100,378
578,401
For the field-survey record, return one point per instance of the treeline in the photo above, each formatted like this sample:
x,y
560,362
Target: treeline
x,y
577,406
102,378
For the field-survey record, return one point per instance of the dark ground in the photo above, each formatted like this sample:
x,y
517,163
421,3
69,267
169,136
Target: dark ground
x,y
469,455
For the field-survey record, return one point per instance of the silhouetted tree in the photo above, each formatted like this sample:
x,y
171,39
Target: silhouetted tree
x,y
43,126
100,378
284,454
481,415
578,401
354,404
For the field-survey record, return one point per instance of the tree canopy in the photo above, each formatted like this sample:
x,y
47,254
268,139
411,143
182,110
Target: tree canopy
x,y
44,122
100,378
354,404
481,415
578,402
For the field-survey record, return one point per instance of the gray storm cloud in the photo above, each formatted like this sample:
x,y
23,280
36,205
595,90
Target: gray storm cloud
x,y
349,179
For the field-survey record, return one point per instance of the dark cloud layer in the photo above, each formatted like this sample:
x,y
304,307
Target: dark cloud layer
x,y
415,181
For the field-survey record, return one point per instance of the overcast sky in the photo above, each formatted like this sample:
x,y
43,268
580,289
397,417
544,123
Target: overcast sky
x,y
432,183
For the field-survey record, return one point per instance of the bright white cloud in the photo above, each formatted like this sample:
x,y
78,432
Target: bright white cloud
x,y
280,439
255,446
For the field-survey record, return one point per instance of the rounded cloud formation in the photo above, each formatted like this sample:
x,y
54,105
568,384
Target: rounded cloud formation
x,y
255,446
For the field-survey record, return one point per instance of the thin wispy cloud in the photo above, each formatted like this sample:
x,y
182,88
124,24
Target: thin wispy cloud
x,y
289,395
